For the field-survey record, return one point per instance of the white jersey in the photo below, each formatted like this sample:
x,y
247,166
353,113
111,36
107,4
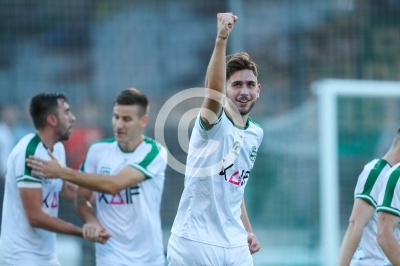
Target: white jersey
x,y
20,243
389,195
367,188
218,167
132,216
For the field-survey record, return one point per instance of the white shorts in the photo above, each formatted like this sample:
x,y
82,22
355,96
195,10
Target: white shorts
x,y
184,252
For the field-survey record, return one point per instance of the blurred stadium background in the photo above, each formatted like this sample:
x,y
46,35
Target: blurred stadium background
x,y
92,49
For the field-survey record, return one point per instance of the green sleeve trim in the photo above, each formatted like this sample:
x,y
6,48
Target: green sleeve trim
x,y
393,211
26,178
368,199
30,150
146,173
211,126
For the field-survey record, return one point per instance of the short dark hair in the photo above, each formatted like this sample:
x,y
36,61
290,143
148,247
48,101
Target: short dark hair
x,y
133,97
42,105
239,61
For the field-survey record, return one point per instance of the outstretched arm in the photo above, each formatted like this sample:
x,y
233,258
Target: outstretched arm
x,y
360,215
216,71
254,246
110,184
387,223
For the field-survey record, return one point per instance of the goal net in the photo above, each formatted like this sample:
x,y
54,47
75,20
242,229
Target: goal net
x,y
357,122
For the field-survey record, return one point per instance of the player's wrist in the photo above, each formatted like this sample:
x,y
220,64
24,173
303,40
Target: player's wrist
x,y
66,174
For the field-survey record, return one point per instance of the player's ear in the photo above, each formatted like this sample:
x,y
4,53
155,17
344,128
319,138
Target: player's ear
x,y
144,120
51,120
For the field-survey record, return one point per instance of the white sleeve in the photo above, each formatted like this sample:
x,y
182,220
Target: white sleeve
x,y
23,173
153,163
389,196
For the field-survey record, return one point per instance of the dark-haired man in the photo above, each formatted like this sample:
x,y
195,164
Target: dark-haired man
x,y
29,221
128,173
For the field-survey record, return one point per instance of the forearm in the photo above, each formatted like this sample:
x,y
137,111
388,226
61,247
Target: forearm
x,y
216,70
53,224
390,247
95,182
85,211
350,243
69,191
245,219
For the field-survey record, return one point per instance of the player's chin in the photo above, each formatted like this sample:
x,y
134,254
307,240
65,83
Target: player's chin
x,y
119,137
65,136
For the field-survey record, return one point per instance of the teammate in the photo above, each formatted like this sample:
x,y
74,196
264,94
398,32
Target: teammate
x,y
29,221
388,213
211,226
359,245
128,172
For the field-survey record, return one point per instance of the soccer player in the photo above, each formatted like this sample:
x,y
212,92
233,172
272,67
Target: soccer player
x,y
128,172
29,221
389,214
359,245
211,226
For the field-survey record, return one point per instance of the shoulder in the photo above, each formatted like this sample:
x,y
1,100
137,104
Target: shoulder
x,y
102,143
256,126
155,152
28,144
155,146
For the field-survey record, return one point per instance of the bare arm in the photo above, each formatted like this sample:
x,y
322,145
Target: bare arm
x,y
387,223
254,246
83,207
128,176
216,71
110,184
92,230
360,216
69,191
32,202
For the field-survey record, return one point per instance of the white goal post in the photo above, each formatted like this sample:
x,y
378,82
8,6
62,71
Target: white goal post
x,y
328,91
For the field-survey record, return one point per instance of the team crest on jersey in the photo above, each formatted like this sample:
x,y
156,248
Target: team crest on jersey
x,y
236,148
253,154
105,170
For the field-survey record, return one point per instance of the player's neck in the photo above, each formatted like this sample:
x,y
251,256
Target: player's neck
x,y
238,123
392,156
48,138
131,145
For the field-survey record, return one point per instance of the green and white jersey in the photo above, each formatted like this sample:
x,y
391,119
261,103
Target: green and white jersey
x,y
20,243
389,195
367,188
217,170
132,216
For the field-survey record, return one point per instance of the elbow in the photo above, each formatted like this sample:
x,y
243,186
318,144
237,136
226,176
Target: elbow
x,y
354,224
380,238
35,221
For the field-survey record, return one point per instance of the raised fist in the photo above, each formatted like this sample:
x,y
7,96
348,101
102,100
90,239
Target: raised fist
x,y
225,24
